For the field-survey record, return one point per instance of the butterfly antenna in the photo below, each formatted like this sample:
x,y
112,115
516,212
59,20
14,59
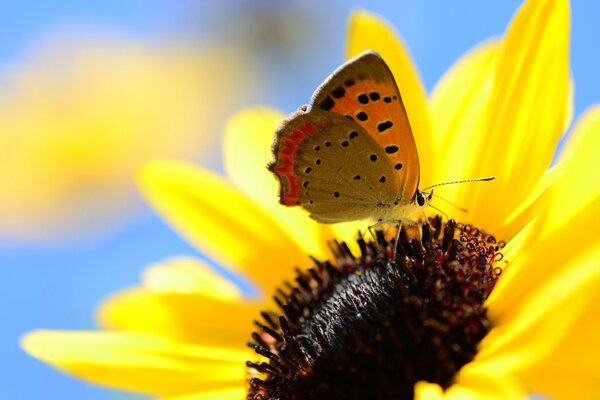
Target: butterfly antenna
x,y
486,178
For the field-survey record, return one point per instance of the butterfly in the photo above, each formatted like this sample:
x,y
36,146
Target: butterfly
x,y
350,154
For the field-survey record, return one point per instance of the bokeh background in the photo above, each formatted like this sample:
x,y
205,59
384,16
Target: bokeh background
x,y
89,90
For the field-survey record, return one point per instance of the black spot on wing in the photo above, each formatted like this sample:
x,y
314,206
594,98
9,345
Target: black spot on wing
x,y
384,126
391,149
362,116
338,92
327,104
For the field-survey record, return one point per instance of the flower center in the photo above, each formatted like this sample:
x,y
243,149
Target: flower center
x,y
372,326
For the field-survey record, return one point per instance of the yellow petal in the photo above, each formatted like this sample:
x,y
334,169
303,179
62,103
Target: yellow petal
x,y
501,297
187,275
428,391
564,285
186,317
232,393
526,112
540,261
138,362
482,381
579,185
473,385
247,150
221,221
546,326
369,31
457,109
547,311
536,202
571,370
558,230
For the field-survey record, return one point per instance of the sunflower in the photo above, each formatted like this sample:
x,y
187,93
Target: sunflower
x,y
500,110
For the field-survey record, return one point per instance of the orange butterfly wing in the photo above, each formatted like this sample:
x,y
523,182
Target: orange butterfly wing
x,y
365,90
373,165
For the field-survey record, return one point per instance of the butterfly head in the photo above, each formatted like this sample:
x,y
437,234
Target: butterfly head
x,y
405,211
422,198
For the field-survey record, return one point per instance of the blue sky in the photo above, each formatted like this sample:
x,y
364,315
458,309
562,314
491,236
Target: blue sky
x,y
59,287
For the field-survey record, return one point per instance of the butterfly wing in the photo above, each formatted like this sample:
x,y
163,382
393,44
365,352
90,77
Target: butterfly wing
x,y
351,154
332,167
364,89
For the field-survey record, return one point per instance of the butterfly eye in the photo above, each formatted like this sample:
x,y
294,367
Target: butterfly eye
x,y
420,199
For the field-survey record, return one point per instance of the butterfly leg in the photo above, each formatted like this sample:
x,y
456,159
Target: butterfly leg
x,y
427,221
373,230
399,223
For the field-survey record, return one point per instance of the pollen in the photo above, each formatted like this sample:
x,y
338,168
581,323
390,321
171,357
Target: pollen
x,y
369,326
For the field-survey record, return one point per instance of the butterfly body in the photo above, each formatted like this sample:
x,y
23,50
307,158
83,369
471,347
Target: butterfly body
x,y
351,154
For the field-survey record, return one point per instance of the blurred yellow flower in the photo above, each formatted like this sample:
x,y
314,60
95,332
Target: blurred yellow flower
x,y
182,333
80,114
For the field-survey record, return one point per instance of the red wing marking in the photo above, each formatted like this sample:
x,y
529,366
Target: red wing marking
x,y
286,161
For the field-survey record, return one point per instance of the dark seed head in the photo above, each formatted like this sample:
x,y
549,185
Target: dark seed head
x,y
371,326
